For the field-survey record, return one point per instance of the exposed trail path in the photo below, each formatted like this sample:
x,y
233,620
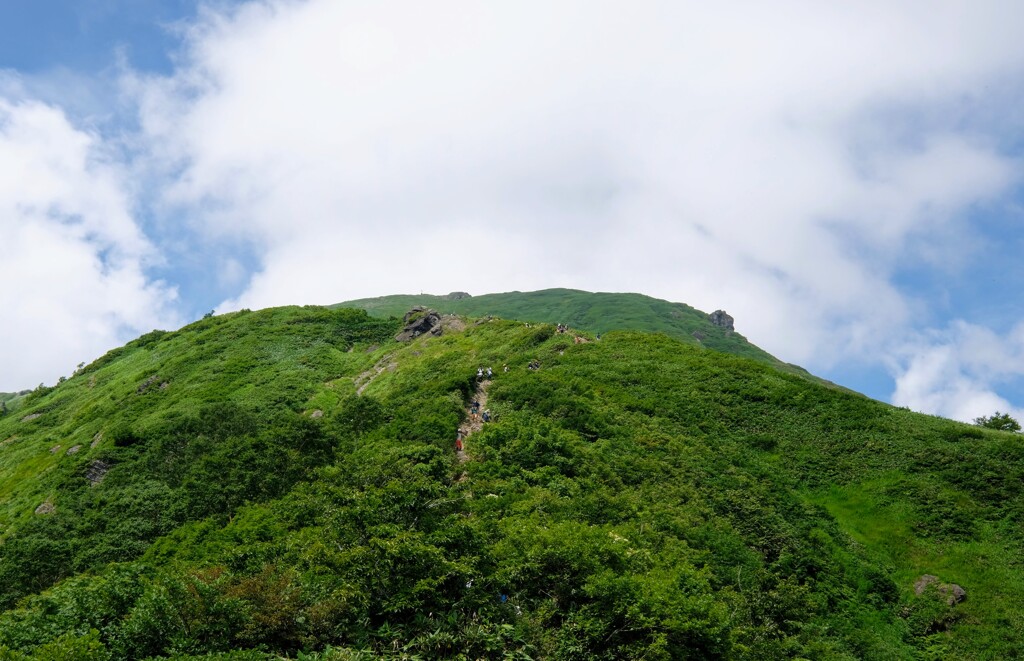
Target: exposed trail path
x,y
473,422
367,377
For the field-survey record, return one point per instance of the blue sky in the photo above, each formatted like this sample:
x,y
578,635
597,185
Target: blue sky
x,y
86,36
848,182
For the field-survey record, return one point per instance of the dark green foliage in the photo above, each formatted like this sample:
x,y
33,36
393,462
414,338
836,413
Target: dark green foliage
x,y
122,436
1000,421
293,491
358,415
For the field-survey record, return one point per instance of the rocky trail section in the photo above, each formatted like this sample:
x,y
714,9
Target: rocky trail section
x,y
367,377
474,421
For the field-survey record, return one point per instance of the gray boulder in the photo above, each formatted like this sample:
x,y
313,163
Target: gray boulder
x,y
95,471
418,321
952,592
722,319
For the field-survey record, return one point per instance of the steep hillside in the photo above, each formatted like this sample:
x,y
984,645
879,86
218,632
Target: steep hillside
x,y
287,481
593,312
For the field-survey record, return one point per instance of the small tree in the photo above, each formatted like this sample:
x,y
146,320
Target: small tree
x,y
1000,421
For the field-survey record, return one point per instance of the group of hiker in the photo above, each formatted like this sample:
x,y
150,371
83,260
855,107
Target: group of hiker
x,y
474,413
482,374
487,373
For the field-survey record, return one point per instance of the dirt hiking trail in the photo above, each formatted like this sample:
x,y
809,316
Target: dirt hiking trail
x,y
474,422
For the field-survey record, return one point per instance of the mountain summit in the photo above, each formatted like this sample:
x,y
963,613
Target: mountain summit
x,y
594,312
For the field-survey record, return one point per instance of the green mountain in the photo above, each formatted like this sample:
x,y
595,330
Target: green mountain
x,y
594,312
285,483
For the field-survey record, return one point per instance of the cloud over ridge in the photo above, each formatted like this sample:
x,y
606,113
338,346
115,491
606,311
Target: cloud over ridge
x,y
789,161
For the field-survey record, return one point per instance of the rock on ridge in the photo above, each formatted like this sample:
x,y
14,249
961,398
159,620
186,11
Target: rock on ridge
x,y
418,321
722,319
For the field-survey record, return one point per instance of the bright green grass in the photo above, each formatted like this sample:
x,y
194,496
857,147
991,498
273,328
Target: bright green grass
x,y
988,566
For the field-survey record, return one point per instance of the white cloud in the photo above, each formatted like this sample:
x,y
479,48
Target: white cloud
x,y
955,373
782,160
762,157
71,255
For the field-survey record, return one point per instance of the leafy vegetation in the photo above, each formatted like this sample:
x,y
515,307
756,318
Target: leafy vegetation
x,y
284,483
1000,421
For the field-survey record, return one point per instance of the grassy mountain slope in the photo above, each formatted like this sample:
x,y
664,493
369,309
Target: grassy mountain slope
x,y
593,312
294,487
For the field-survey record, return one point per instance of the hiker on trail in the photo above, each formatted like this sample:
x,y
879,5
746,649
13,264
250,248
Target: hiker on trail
x,y
489,373
458,442
506,368
487,415
479,373
475,408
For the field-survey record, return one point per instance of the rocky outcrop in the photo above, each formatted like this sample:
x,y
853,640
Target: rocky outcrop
x,y
952,592
149,383
418,321
457,296
96,470
722,319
